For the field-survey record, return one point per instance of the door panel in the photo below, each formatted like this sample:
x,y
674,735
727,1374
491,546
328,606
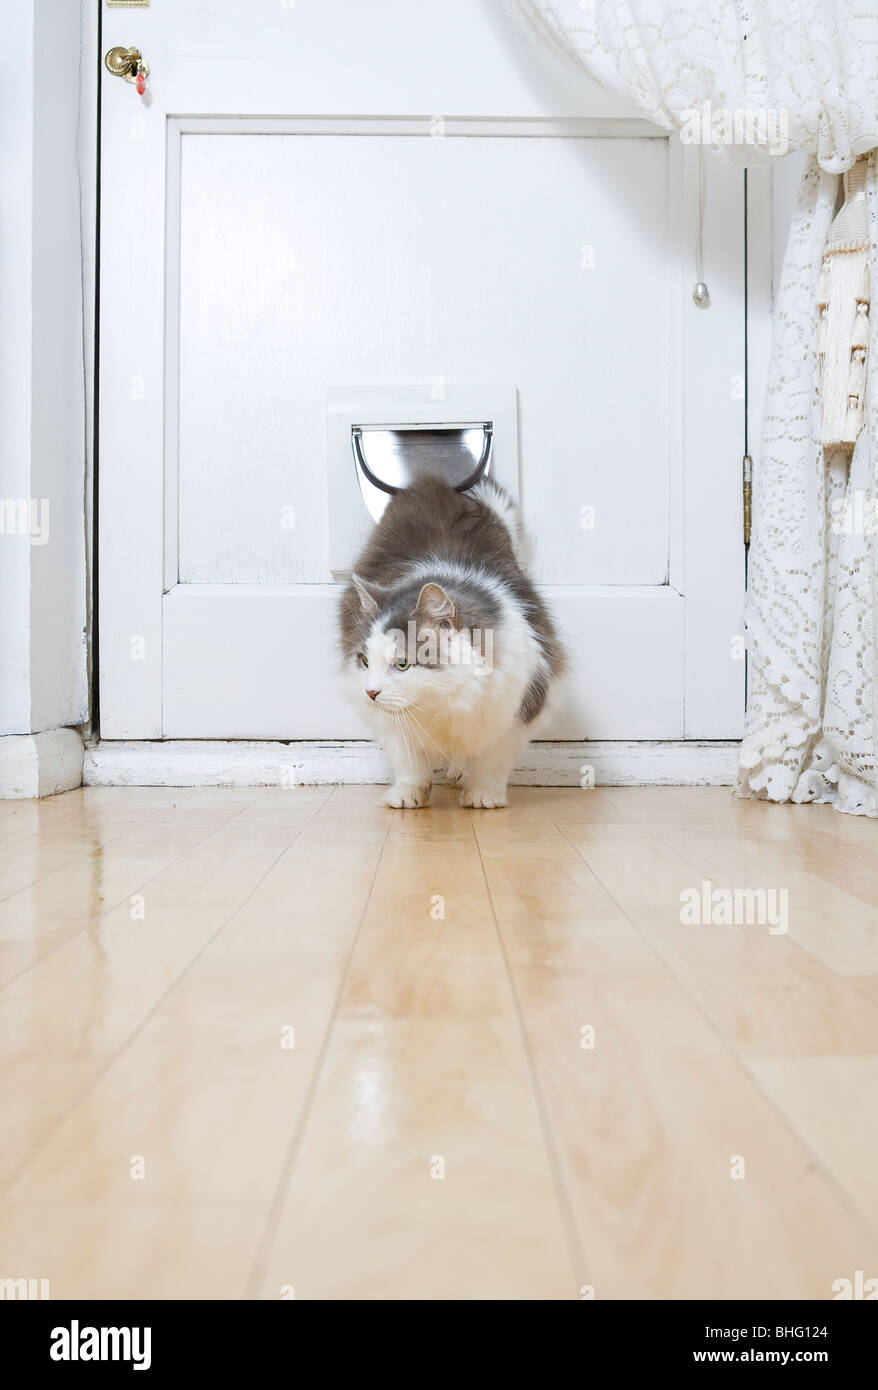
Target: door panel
x,y
236,654
543,240
315,260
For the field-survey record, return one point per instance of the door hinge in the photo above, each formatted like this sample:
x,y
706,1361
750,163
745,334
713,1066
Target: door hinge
x,y
748,496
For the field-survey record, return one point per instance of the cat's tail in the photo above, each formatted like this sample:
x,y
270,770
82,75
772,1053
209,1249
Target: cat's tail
x,y
498,501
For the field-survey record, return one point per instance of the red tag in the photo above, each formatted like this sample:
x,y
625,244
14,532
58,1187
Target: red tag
x,y
140,84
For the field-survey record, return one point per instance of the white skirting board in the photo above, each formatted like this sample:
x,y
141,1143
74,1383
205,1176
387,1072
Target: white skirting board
x,y
33,765
205,763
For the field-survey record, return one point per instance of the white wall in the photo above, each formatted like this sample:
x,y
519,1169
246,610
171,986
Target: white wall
x,y
43,350
16,123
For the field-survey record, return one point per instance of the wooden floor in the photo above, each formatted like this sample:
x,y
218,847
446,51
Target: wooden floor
x,y
263,1041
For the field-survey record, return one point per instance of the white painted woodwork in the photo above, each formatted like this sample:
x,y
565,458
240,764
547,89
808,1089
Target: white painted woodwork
x,y
229,666
245,763
42,764
334,232
43,353
309,261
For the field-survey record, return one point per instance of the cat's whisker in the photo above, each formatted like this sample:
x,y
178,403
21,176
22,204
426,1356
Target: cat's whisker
x,y
414,752
409,734
401,731
439,749
424,749
418,729
398,715
411,707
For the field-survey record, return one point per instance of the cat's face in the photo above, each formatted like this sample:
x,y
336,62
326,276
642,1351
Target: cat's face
x,y
423,660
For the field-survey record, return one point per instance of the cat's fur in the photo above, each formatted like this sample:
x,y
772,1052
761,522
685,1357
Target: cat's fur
x,y
439,586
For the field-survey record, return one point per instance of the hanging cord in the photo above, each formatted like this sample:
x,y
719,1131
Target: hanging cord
x,y
700,293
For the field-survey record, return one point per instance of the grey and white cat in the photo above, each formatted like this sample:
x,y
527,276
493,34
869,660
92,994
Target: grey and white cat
x,y
450,649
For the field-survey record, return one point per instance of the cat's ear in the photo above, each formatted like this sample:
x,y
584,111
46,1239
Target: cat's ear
x,y
367,598
436,608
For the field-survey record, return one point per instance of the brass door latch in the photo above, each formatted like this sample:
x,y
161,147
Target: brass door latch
x,y
128,63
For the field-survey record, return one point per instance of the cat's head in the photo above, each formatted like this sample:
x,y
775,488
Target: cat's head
x,y
412,647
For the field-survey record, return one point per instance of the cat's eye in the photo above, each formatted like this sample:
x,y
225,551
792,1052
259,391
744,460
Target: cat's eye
x,y
402,664
362,659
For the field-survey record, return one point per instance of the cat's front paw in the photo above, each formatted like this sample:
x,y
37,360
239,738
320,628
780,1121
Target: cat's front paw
x,y
483,798
404,796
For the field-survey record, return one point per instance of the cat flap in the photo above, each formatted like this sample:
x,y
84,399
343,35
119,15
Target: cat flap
x,y
391,457
469,431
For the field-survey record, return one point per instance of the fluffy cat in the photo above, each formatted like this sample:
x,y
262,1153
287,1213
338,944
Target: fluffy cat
x,y
449,647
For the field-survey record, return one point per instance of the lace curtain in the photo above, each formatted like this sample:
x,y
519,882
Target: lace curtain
x,y
812,721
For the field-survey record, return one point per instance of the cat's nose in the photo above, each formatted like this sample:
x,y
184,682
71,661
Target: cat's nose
x,y
373,694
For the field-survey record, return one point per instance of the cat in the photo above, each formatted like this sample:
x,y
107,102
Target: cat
x,y
450,651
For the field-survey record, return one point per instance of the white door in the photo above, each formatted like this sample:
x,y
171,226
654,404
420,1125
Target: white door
x,y
410,206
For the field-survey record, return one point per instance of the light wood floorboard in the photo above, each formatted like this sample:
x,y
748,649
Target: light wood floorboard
x,y
257,1042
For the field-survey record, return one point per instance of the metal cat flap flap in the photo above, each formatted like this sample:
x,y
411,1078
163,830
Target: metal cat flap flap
x,y
391,457
380,439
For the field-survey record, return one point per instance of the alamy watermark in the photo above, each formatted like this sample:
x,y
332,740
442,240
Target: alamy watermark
x,y
25,516
443,646
736,907
77,1343
756,127
858,1288
21,1289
